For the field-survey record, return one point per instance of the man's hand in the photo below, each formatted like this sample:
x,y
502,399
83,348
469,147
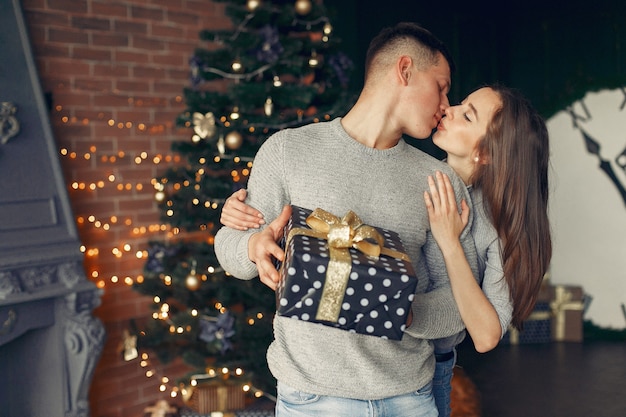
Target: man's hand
x,y
263,249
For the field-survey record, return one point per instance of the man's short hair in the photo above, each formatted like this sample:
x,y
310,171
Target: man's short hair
x,y
403,38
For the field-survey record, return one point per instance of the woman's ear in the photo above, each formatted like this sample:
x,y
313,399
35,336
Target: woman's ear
x,y
480,159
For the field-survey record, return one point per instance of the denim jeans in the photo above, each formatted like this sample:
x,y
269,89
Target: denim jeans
x,y
442,385
292,403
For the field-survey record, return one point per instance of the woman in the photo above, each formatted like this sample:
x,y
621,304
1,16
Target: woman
x,y
498,144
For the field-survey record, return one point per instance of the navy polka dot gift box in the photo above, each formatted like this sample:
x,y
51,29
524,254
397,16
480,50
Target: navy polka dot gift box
x,y
342,273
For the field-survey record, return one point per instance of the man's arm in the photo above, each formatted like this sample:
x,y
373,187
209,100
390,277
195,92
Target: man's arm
x,y
238,250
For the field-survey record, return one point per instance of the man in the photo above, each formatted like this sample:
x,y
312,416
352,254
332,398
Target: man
x,y
359,163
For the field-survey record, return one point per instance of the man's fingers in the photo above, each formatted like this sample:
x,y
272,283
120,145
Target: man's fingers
x,y
280,222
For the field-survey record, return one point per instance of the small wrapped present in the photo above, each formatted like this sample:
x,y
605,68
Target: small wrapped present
x,y
345,274
216,397
567,313
160,409
537,327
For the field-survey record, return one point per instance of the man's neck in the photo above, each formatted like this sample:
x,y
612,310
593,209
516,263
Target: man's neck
x,y
370,126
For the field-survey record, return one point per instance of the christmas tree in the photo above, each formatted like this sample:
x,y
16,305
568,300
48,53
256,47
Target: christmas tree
x,y
278,67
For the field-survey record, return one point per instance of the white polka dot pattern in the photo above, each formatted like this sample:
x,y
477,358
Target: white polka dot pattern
x,y
379,293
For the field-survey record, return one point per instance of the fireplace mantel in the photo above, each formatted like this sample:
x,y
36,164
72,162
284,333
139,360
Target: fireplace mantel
x,y
49,340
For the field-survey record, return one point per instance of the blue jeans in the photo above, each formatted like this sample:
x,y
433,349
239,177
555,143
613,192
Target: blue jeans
x,y
292,403
442,385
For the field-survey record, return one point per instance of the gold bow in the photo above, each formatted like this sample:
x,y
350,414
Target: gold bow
x,y
341,234
562,302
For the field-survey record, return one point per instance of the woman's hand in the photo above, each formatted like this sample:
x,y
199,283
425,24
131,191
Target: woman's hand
x,y
446,223
238,215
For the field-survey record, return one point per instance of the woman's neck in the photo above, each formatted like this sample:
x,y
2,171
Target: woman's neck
x,y
464,169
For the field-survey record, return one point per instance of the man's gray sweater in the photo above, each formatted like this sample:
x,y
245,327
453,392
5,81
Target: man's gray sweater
x,y
320,165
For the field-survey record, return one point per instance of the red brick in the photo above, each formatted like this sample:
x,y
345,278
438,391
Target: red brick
x,y
116,70
92,54
168,88
172,59
152,14
181,47
171,4
151,102
147,43
139,57
93,23
68,66
112,100
130,27
47,50
181,74
95,116
135,116
185,18
76,6
67,36
92,84
131,87
167,31
33,4
108,9
46,18
109,39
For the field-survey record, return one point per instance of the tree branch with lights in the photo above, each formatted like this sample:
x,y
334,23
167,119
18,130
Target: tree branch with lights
x,y
278,66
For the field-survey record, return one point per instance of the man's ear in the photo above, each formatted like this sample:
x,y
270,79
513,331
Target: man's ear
x,y
405,65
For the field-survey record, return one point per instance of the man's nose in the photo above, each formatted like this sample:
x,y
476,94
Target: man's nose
x,y
444,105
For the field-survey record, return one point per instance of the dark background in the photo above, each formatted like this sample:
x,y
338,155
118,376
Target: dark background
x,y
553,51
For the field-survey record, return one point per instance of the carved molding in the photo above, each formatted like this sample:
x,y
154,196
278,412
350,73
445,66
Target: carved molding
x,y
9,125
84,341
40,278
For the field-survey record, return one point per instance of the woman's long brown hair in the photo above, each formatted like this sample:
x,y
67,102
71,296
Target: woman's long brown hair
x,y
513,178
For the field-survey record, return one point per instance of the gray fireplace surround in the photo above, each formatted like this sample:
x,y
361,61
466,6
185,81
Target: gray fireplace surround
x,y
50,342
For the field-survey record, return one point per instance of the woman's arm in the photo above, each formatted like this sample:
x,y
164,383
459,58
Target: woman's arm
x,y
479,316
236,214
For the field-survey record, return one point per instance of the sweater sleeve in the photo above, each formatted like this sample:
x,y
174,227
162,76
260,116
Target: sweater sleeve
x,y
267,192
495,287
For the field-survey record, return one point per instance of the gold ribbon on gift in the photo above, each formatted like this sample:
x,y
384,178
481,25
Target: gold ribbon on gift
x,y
561,303
342,234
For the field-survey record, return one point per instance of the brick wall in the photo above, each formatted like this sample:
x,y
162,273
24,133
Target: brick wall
x,y
114,72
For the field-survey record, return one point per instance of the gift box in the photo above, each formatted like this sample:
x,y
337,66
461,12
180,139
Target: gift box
x,y
537,327
161,409
211,397
567,313
346,274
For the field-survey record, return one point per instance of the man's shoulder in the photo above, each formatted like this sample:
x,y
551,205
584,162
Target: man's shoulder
x,y
303,132
426,158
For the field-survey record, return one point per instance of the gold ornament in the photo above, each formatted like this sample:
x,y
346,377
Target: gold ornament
x,y
129,346
204,124
313,59
192,281
237,66
268,107
221,146
233,140
159,196
234,115
303,7
253,4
